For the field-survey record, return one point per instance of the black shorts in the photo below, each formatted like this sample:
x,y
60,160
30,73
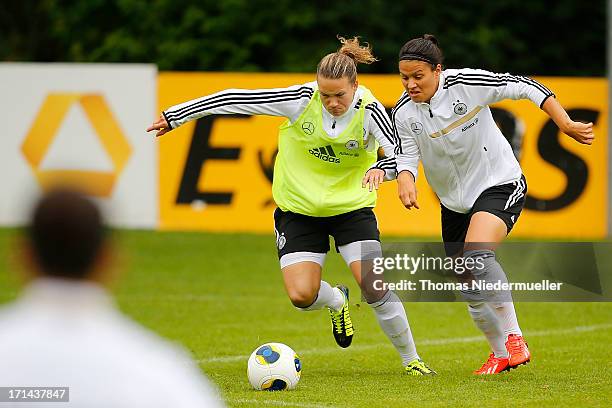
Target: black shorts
x,y
302,233
505,201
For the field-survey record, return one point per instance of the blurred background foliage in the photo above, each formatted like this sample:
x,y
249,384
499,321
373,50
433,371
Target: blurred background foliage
x,y
564,37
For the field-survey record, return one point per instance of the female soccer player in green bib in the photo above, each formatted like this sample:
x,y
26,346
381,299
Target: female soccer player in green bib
x,y
327,156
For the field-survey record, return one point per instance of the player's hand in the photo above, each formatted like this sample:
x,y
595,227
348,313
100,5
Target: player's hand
x,y
373,178
581,132
160,125
407,190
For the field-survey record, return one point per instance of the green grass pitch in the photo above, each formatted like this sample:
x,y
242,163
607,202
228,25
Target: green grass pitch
x,y
221,296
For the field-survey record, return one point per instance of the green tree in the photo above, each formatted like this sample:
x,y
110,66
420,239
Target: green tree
x,y
534,38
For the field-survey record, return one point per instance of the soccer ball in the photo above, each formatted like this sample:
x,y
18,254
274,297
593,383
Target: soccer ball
x,y
274,367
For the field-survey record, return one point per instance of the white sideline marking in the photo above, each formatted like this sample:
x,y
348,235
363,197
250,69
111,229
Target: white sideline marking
x,y
279,403
426,342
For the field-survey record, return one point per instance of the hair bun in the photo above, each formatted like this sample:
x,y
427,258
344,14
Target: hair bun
x,y
431,38
424,48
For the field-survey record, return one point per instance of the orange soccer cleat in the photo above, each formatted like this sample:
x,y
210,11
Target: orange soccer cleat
x,y
494,365
519,353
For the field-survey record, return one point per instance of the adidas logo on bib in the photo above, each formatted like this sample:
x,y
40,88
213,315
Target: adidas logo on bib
x,y
325,153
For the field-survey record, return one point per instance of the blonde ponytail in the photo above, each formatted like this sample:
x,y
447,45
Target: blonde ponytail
x,y
360,54
343,63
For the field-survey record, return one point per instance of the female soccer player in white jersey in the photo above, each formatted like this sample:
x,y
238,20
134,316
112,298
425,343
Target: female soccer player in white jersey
x,y
326,146
443,119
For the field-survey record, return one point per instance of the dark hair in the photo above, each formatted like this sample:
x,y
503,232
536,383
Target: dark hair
x,y
425,49
66,233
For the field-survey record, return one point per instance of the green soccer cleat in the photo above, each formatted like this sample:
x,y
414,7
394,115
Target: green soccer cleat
x,y
342,326
418,367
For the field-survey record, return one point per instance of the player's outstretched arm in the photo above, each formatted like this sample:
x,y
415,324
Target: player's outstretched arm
x,y
161,125
288,102
581,132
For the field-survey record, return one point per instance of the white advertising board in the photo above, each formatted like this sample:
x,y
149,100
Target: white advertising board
x,y
83,124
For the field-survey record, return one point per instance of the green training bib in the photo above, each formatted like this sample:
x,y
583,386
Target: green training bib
x,y
320,176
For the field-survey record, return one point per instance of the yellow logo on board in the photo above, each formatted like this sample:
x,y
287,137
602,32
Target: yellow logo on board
x,y
45,127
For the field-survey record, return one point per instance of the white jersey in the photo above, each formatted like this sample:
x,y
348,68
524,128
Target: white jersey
x,y
462,149
65,333
290,103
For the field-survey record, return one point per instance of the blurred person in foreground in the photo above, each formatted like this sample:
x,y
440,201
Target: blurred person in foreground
x,y
65,331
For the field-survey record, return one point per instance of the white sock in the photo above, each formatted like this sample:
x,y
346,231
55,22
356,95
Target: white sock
x,y
393,321
332,298
487,321
507,318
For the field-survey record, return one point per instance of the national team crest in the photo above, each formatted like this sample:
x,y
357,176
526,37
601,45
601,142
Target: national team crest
x,y
352,144
459,108
416,127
